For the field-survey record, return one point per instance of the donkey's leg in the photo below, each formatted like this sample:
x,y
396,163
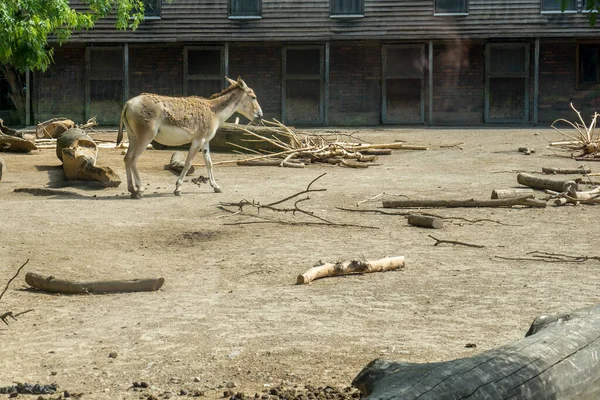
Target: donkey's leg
x,y
128,158
209,165
194,147
134,152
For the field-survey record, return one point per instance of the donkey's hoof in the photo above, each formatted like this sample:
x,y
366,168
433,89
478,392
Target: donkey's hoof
x,y
136,195
177,192
218,190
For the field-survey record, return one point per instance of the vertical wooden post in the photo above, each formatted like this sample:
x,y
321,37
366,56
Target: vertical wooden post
x,y
125,72
326,89
87,102
283,84
430,86
536,80
226,61
28,97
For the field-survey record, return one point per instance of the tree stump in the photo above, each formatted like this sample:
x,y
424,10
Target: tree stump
x,y
557,359
78,152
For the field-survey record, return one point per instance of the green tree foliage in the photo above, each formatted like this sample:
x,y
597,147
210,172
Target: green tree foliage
x,y
27,25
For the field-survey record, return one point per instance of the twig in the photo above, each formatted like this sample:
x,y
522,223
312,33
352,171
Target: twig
x,y
551,257
440,241
13,278
406,214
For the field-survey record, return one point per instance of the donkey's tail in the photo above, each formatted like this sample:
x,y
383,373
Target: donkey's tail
x,y
121,121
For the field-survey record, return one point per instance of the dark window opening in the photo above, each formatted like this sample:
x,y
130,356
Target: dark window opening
x,y
245,8
5,101
451,6
204,71
589,64
151,8
556,5
347,7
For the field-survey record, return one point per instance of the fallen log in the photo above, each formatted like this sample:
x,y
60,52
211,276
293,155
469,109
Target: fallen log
x,y
178,161
16,144
78,153
511,193
350,267
52,285
509,202
53,128
536,182
566,171
425,221
557,359
6,130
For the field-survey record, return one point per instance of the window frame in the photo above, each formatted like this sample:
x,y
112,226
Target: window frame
x,y
342,15
242,17
157,14
573,10
462,13
579,83
224,55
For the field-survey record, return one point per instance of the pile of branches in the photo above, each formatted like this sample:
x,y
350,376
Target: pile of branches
x,y
297,149
584,140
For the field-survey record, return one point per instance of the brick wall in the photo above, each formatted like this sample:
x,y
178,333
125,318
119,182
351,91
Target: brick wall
x,y
355,84
558,85
458,83
60,91
156,69
260,67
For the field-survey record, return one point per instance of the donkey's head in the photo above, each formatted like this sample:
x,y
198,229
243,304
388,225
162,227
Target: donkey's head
x,y
248,105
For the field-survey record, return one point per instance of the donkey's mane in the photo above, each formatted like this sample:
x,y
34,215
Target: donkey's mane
x,y
224,92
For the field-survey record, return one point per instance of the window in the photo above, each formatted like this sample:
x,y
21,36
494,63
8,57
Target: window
x,y
244,9
347,8
588,64
451,7
151,8
556,5
204,68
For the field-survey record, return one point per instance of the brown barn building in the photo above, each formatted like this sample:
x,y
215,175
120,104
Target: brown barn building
x,y
340,62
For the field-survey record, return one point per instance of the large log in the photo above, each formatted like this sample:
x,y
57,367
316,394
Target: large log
x,y
78,152
178,161
554,185
16,144
557,359
52,285
431,203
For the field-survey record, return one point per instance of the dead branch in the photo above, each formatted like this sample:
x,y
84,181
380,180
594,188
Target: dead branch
x,y
13,278
536,182
9,314
275,206
434,203
350,267
406,214
440,241
584,138
551,257
52,285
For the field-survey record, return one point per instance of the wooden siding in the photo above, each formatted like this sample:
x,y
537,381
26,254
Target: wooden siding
x,y
309,20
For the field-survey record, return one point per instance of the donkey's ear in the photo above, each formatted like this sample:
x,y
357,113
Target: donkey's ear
x,y
241,83
231,81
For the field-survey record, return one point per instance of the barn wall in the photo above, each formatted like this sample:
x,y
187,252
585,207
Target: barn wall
x,y
260,67
156,69
60,91
355,84
458,83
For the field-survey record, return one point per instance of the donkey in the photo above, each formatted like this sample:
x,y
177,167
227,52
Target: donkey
x,y
175,121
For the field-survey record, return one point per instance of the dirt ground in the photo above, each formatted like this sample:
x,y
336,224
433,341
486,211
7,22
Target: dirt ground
x,y
230,314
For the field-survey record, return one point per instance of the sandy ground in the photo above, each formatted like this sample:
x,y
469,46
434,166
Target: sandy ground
x,y
230,314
